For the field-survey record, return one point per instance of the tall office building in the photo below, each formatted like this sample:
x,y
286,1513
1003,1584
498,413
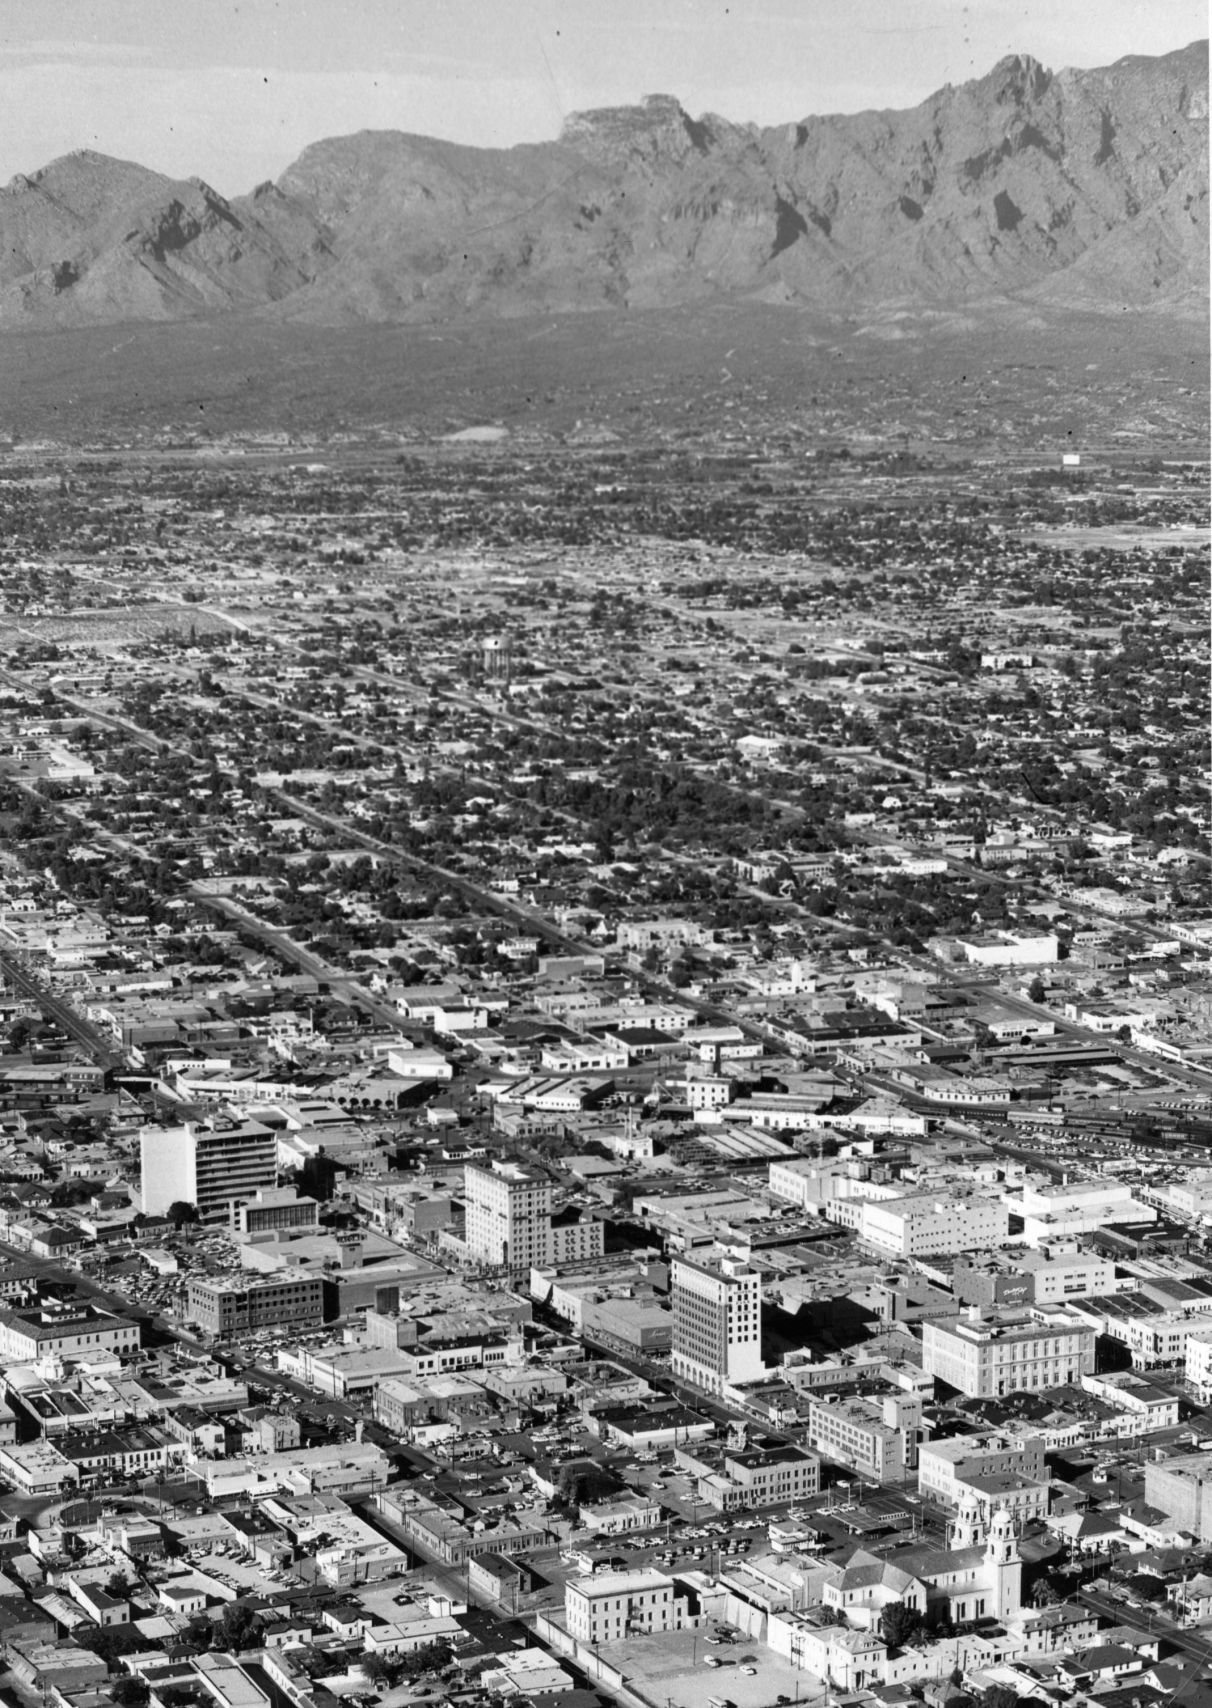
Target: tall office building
x,y
509,1223
717,1324
212,1167
508,1215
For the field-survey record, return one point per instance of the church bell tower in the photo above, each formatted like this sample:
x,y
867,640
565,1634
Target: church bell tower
x,y
1005,1565
966,1529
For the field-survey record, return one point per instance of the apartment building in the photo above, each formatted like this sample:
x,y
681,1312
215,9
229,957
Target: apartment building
x,y
1023,1352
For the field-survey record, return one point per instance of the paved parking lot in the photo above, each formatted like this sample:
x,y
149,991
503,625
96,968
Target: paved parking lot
x,y
668,1669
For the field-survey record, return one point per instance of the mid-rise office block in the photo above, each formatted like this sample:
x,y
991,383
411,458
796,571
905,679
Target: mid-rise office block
x,y
875,1439
1063,1212
1019,1353
226,1308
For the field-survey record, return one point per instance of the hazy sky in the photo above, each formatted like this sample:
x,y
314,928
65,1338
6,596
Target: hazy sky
x,y
232,90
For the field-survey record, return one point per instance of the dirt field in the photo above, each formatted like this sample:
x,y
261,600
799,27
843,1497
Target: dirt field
x,y
110,627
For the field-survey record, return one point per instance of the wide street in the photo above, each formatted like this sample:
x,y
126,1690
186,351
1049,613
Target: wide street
x,y
1197,1644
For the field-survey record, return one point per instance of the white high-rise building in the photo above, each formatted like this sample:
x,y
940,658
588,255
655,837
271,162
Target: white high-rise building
x,y
509,1223
717,1323
212,1167
508,1215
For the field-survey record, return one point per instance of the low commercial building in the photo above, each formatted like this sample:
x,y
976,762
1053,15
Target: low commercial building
x,y
398,1405
57,1666
611,1606
437,1533
1154,1407
1010,949
499,1578
37,1468
129,1452
617,1517
340,1372
1019,1353
1157,1337
646,1428
350,1550
345,1468
577,1291
639,1325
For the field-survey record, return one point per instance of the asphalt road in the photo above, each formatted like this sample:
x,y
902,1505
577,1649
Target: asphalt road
x,y
282,944
99,1047
1196,1644
312,1405
52,1270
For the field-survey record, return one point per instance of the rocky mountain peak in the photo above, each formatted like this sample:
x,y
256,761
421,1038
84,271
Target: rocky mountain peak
x,y
657,127
1015,81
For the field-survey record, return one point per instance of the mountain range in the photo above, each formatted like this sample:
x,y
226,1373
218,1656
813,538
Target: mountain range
x,y
1086,188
